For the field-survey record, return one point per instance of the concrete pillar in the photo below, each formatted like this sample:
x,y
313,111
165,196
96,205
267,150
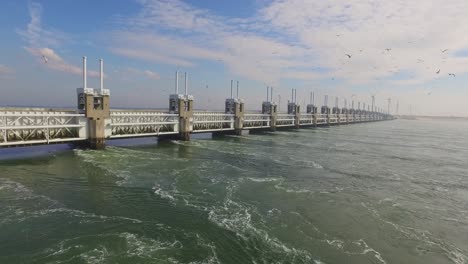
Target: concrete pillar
x,y
336,112
236,107
312,109
239,117
95,106
297,117
185,117
326,111
270,108
295,110
94,103
273,117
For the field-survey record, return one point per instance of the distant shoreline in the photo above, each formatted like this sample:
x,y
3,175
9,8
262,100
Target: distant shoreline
x,y
413,117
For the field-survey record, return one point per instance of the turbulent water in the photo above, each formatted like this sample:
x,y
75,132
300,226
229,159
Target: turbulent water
x,y
387,192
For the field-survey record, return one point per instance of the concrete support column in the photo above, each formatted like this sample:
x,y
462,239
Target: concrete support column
x,y
235,107
270,108
185,118
238,117
273,117
95,106
297,117
312,109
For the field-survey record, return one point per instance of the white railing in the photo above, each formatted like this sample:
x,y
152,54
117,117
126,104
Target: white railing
x,y
256,121
333,118
306,119
212,121
283,120
321,118
140,123
40,126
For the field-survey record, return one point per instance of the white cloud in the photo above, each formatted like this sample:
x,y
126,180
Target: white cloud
x,y
151,75
130,73
288,39
6,71
414,30
36,35
307,41
52,60
39,40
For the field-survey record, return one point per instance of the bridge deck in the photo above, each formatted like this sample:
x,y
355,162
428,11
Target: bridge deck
x,y
25,126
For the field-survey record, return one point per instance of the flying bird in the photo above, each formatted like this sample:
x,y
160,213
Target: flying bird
x,y
452,74
429,93
438,71
387,49
443,51
349,56
45,58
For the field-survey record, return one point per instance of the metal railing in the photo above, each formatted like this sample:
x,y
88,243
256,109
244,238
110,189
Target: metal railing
x,y
284,120
321,118
212,121
256,121
140,123
306,119
333,118
40,126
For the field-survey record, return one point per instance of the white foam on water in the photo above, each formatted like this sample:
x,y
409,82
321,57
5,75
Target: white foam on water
x,y
316,165
336,243
368,249
146,247
455,254
280,186
237,217
95,256
79,214
273,212
263,179
163,194
318,262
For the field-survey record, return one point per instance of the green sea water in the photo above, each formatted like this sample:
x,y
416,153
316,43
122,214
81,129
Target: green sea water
x,y
385,192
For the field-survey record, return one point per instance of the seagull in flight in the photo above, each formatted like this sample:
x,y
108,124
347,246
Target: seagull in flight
x,y
443,51
45,59
387,49
349,56
452,74
429,93
438,71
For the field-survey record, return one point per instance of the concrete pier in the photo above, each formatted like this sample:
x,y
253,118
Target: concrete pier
x,y
95,105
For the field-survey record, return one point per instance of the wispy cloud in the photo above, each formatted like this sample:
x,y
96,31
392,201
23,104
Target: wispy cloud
x,y
35,35
52,60
130,73
203,36
151,75
6,72
40,40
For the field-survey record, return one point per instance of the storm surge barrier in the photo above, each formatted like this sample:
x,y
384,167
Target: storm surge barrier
x,y
93,122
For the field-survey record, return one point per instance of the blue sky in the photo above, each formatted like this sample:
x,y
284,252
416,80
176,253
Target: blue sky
x,y
396,51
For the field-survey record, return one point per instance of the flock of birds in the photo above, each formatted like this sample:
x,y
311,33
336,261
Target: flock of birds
x,y
419,60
